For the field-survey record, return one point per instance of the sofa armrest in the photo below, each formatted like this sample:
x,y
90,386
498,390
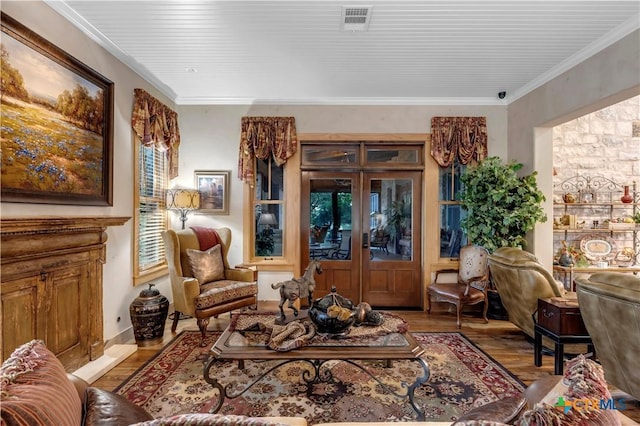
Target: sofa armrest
x,y
291,421
503,411
105,408
81,386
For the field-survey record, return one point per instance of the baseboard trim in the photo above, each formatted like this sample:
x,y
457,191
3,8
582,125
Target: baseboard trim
x,y
113,356
125,337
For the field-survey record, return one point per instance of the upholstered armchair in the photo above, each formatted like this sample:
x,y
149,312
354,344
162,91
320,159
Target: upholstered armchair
x,y
610,308
471,284
202,282
521,281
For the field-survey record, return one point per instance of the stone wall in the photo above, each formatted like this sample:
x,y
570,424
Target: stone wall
x,y
605,143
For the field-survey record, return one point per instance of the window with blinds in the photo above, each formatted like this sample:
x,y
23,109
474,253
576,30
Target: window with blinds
x,y
151,213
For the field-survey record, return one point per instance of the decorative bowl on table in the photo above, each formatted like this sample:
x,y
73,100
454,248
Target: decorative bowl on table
x,y
332,314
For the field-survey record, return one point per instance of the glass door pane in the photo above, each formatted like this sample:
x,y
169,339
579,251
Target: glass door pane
x,y
391,218
330,202
391,267
331,230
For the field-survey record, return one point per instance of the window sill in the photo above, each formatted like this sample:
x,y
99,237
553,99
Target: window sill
x,y
152,274
269,265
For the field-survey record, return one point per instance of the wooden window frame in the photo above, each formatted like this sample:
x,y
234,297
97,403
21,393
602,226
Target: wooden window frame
x,y
142,275
290,205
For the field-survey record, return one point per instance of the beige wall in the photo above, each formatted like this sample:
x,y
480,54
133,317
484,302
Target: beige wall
x,y
607,77
210,137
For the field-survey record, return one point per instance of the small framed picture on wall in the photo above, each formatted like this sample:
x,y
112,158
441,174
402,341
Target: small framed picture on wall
x,y
214,191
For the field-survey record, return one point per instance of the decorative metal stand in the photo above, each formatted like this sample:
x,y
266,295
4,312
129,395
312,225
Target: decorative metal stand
x,y
318,375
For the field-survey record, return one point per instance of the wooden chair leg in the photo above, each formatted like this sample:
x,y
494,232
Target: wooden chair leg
x,y
484,311
176,318
428,303
202,325
458,311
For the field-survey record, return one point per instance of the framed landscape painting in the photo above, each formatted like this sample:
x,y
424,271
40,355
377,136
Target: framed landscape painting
x,y
57,123
214,191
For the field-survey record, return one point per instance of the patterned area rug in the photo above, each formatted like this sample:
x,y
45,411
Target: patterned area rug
x,y
462,377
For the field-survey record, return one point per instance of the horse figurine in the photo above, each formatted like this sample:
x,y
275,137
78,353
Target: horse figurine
x,y
297,288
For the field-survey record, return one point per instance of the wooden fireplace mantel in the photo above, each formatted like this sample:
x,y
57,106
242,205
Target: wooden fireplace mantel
x,y
51,285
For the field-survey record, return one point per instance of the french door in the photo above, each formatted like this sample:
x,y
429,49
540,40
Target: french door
x,y
365,228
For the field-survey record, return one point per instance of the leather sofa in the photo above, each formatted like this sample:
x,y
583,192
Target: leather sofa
x,y
610,308
36,390
521,280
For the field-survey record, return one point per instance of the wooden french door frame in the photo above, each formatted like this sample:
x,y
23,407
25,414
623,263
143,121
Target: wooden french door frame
x,y
344,274
428,211
394,281
378,278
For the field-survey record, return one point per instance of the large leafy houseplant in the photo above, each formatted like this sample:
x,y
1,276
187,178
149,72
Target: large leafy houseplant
x,y
501,206
398,217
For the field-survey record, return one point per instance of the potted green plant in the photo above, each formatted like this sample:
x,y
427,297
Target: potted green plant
x,y
398,218
501,206
398,221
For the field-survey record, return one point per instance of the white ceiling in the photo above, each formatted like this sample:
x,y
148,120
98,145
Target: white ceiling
x,y
295,52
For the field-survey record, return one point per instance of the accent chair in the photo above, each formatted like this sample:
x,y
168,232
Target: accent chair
x,y
202,282
610,308
471,284
521,280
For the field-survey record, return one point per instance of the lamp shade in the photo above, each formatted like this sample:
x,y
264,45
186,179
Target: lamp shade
x,y
267,219
183,199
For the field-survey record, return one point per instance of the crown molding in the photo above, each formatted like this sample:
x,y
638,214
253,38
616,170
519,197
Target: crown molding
x,y
340,101
630,25
96,35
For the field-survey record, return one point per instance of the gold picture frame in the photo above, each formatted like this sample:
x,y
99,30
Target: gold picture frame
x,y
213,186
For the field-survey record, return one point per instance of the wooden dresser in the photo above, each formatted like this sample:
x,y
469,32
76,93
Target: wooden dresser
x,y
51,285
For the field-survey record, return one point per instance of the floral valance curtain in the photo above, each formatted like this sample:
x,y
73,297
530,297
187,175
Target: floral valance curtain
x,y
461,137
156,125
264,136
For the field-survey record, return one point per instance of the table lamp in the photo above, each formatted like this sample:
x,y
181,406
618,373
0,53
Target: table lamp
x,y
183,200
268,220
264,240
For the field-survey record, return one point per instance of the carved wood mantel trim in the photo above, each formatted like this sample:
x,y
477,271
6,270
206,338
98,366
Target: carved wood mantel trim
x,y
37,255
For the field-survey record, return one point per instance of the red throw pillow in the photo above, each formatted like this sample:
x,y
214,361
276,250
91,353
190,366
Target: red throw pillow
x,y
35,390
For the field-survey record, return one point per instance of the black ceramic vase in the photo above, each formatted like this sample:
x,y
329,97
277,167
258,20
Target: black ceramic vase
x,y
148,315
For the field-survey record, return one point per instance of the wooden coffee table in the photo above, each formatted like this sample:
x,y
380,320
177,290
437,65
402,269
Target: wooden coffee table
x,y
246,345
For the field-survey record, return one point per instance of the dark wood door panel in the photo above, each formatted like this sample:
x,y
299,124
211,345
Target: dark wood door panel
x,y
393,288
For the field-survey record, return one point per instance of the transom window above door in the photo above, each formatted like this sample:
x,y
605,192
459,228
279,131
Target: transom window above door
x,y
363,155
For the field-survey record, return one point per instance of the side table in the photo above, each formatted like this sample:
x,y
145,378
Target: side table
x,y
559,319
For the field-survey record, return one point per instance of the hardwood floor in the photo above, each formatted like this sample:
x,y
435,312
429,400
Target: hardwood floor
x,y
502,340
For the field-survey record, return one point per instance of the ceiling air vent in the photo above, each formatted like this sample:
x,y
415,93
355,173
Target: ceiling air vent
x,y
355,18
